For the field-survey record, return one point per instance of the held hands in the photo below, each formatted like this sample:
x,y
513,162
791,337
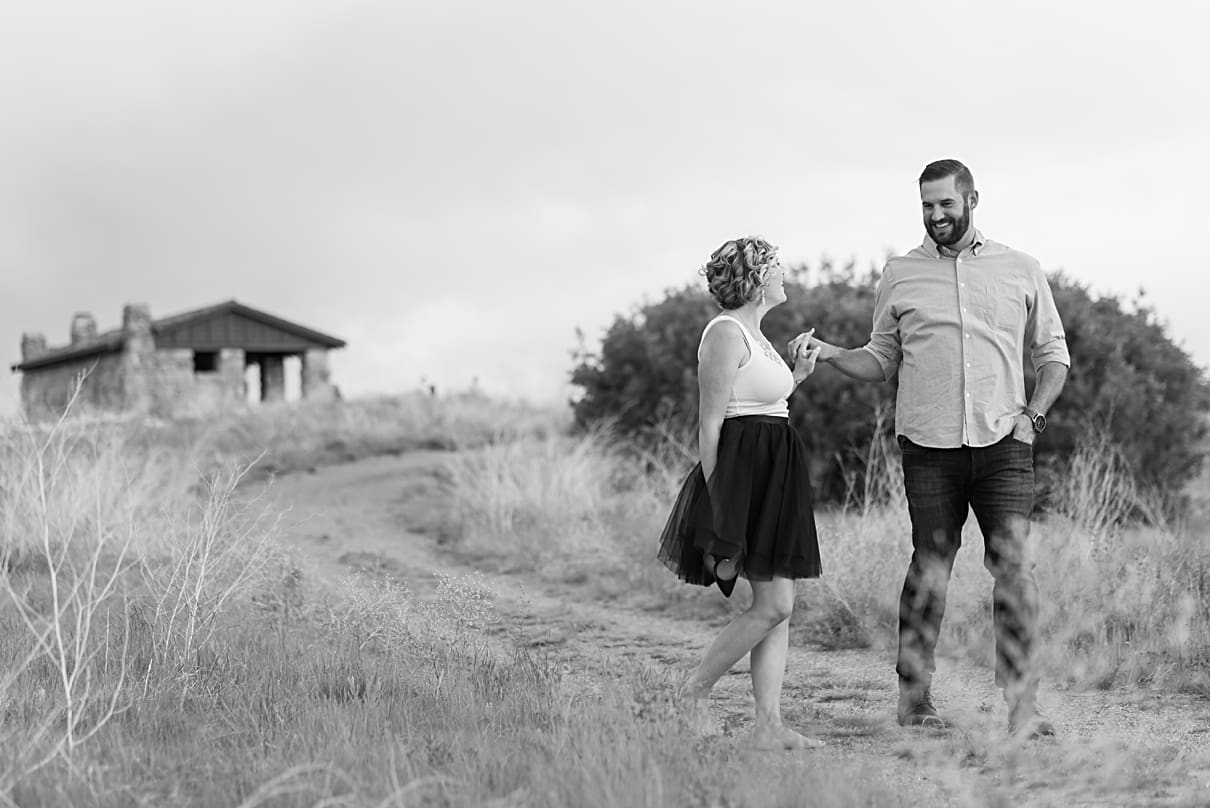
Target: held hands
x,y
807,341
805,355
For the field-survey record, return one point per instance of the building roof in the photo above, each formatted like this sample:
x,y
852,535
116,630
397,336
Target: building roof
x,y
224,325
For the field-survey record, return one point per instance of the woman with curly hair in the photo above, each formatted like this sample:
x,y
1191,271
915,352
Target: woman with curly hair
x,y
747,507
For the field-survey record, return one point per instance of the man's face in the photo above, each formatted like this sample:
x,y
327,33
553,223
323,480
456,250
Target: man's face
x,y
947,213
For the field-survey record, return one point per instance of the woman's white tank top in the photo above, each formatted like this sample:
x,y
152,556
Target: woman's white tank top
x,y
762,385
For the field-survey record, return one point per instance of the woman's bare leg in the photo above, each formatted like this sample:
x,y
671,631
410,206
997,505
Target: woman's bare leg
x,y
768,671
771,605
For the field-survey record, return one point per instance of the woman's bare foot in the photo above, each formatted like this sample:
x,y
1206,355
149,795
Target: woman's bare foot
x,y
779,737
693,706
700,720
695,712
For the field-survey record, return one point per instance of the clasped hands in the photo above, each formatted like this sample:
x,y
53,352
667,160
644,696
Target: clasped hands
x,y
807,341
806,351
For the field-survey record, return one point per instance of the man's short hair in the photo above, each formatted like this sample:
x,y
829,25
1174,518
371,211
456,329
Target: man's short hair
x,y
940,169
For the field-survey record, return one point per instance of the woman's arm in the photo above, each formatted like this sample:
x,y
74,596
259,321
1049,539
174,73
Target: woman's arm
x,y
723,351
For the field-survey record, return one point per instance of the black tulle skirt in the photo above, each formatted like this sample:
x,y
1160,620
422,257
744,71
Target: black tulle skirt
x,y
758,505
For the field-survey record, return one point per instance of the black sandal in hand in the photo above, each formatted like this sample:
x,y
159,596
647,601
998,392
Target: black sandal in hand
x,y
725,585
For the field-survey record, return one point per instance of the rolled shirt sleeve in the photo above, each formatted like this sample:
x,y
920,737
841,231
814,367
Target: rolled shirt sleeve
x,y
884,344
1044,332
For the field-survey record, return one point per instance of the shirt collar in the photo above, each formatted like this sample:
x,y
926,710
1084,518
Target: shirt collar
x,y
936,250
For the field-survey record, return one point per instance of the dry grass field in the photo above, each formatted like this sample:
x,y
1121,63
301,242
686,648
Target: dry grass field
x,y
415,601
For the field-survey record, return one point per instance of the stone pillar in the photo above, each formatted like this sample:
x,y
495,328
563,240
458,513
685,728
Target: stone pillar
x,y
316,383
231,365
272,378
83,327
33,345
138,356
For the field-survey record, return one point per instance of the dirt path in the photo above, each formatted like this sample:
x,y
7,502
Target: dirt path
x,y
1117,748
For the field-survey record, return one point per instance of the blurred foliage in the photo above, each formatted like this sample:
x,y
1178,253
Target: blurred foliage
x,y
1131,384
1128,380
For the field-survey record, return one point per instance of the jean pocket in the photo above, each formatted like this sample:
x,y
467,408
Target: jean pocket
x,y
1020,453
910,454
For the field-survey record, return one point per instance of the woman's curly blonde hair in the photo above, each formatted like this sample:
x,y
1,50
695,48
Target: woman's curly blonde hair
x,y
738,269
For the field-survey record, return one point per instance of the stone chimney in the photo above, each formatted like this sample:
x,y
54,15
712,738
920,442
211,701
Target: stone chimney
x,y
136,319
83,327
137,355
33,345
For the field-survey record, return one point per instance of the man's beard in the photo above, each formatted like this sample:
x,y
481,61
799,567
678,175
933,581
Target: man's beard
x,y
958,227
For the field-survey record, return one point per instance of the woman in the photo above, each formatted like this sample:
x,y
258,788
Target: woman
x,y
746,508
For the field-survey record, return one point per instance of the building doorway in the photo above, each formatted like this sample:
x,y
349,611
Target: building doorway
x,y
270,377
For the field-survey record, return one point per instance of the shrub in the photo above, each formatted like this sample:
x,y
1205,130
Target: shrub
x,y
1130,386
1129,382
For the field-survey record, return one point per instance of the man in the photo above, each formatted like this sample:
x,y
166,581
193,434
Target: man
x,y
954,317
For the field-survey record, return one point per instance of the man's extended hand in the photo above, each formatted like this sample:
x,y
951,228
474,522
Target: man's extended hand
x,y
808,340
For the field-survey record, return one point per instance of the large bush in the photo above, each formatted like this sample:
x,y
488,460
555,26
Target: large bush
x,y
1130,385
1129,382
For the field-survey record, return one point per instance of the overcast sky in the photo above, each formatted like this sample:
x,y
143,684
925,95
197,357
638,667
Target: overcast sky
x,y
454,187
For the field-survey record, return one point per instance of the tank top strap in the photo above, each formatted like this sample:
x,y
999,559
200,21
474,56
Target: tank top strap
x,y
743,331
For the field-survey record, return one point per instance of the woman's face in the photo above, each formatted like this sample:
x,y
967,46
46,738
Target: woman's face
x,y
774,285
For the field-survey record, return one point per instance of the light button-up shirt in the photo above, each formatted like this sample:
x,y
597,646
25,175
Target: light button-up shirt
x,y
955,327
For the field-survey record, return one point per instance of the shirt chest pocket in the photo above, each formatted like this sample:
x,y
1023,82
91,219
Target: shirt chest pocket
x,y
1008,313
1006,307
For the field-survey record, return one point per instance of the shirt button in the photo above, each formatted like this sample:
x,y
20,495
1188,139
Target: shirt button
x,y
968,395
968,364
962,284
968,336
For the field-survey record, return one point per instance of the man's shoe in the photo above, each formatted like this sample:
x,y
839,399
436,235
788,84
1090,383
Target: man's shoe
x,y
1024,719
1026,723
916,709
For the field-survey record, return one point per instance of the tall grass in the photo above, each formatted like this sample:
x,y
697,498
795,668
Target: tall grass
x,y
160,648
1124,589
293,436
581,509
1134,580
303,434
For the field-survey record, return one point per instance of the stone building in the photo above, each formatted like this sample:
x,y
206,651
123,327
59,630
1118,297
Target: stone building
x,y
191,364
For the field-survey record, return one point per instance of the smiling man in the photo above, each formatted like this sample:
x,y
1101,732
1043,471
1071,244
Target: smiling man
x,y
954,317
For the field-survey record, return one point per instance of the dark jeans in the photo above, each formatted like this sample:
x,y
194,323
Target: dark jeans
x,y
997,483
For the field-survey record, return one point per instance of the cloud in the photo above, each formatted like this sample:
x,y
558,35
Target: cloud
x,y
512,171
